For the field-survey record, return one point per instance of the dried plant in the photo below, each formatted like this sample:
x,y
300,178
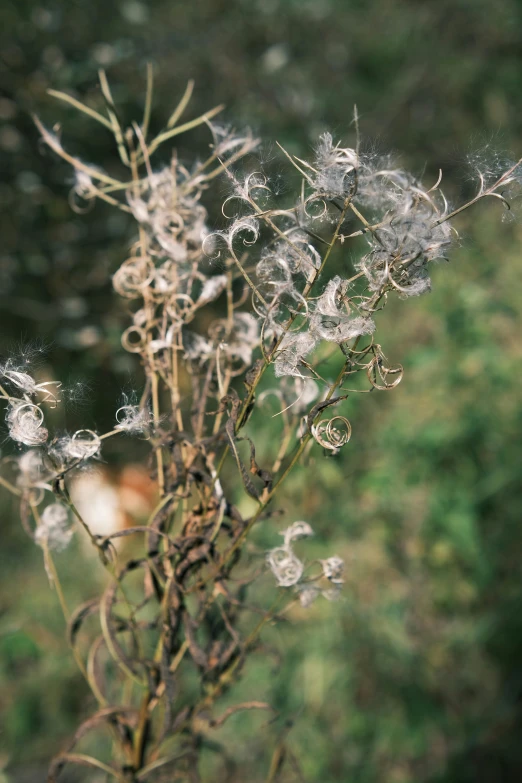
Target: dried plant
x,y
186,603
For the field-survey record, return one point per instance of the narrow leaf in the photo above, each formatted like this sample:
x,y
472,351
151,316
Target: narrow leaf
x,y
182,105
62,96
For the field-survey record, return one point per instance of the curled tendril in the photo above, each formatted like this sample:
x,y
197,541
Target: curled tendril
x,y
285,566
208,245
164,282
181,308
332,433
322,208
80,203
256,181
27,384
35,495
21,380
247,226
25,424
133,419
134,345
370,305
246,192
82,445
133,277
379,373
357,355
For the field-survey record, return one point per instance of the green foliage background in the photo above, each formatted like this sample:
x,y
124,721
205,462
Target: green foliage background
x,y
417,674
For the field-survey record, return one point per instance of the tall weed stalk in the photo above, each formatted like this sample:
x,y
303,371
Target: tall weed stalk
x,y
216,312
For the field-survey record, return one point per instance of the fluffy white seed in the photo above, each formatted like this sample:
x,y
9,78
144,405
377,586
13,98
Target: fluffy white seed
x,y
54,530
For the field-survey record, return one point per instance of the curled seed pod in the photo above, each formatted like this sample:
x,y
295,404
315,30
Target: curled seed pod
x,y
285,566
83,444
133,419
134,339
25,424
379,374
164,282
35,495
315,207
181,308
247,228
80,199
332,433
133,277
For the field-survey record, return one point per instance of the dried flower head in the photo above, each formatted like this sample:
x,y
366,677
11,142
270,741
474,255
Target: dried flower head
x,y
333,568
25,423
285,566
134,419
335,168
83,445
